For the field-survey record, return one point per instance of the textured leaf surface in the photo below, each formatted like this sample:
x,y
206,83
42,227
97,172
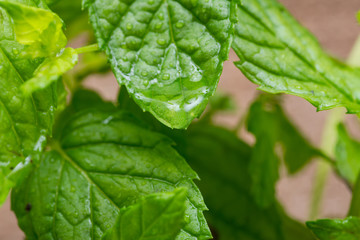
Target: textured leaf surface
x,y
104,162
156,217
222,162
347,155
40,30
281,56
24,121
169,54
272,128
51,70
326,229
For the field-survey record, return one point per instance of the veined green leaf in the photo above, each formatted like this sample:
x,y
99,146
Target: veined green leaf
x,y
281,56
347,155
272,128
25,121
326,229
155,217
104,161
51,70
222,161
40,30
169,54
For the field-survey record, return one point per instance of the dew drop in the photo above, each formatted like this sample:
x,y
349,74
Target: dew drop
x,y
158,26
129,26
180,24
161,16
144,73
15,51
187,218
161,41
166,76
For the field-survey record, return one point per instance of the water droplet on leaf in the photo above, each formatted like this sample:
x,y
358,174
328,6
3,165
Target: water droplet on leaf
x,y
129,26
161,41
180,24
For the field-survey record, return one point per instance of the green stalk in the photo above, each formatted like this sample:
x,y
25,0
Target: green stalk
x,y
324,167
329,142
87,49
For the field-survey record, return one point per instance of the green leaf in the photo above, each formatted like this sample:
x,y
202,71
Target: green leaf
x,y
169,54
354,209
25,121
51,70
272,128
103,161
155,217
40,30
281,56
347,154
222,161
326,229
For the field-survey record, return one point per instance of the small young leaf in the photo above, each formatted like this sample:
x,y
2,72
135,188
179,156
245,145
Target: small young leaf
x,y
51,70
104,161
168,54
326,229
271,127
156,217
40,30
25,121
281,56
347,155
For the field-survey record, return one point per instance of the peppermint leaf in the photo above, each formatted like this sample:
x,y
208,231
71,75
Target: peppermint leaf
x,y
273,129
222,161
156,217
51,70
168,54
347,155
326,229
40,30
103,161
25,121
281,56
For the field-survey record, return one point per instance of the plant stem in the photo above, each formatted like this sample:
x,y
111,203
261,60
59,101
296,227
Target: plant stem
x,y
87,49
323,167
354,57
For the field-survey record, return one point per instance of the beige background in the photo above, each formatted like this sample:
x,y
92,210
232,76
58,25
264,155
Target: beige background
x,y
334,23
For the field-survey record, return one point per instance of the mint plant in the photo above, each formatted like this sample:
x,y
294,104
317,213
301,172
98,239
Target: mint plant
x,y
79,167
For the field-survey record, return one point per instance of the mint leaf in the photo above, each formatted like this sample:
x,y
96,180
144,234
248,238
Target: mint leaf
x,y
51,70
25,121
281,56
347,154
103,161
326,229
222,161
271,127
40,30
157,217
168,54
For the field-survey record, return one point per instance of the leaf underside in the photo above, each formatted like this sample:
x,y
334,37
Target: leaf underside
x,y
169,54
281,56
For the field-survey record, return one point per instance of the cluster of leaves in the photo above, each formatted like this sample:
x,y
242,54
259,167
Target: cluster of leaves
x,y
89,169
